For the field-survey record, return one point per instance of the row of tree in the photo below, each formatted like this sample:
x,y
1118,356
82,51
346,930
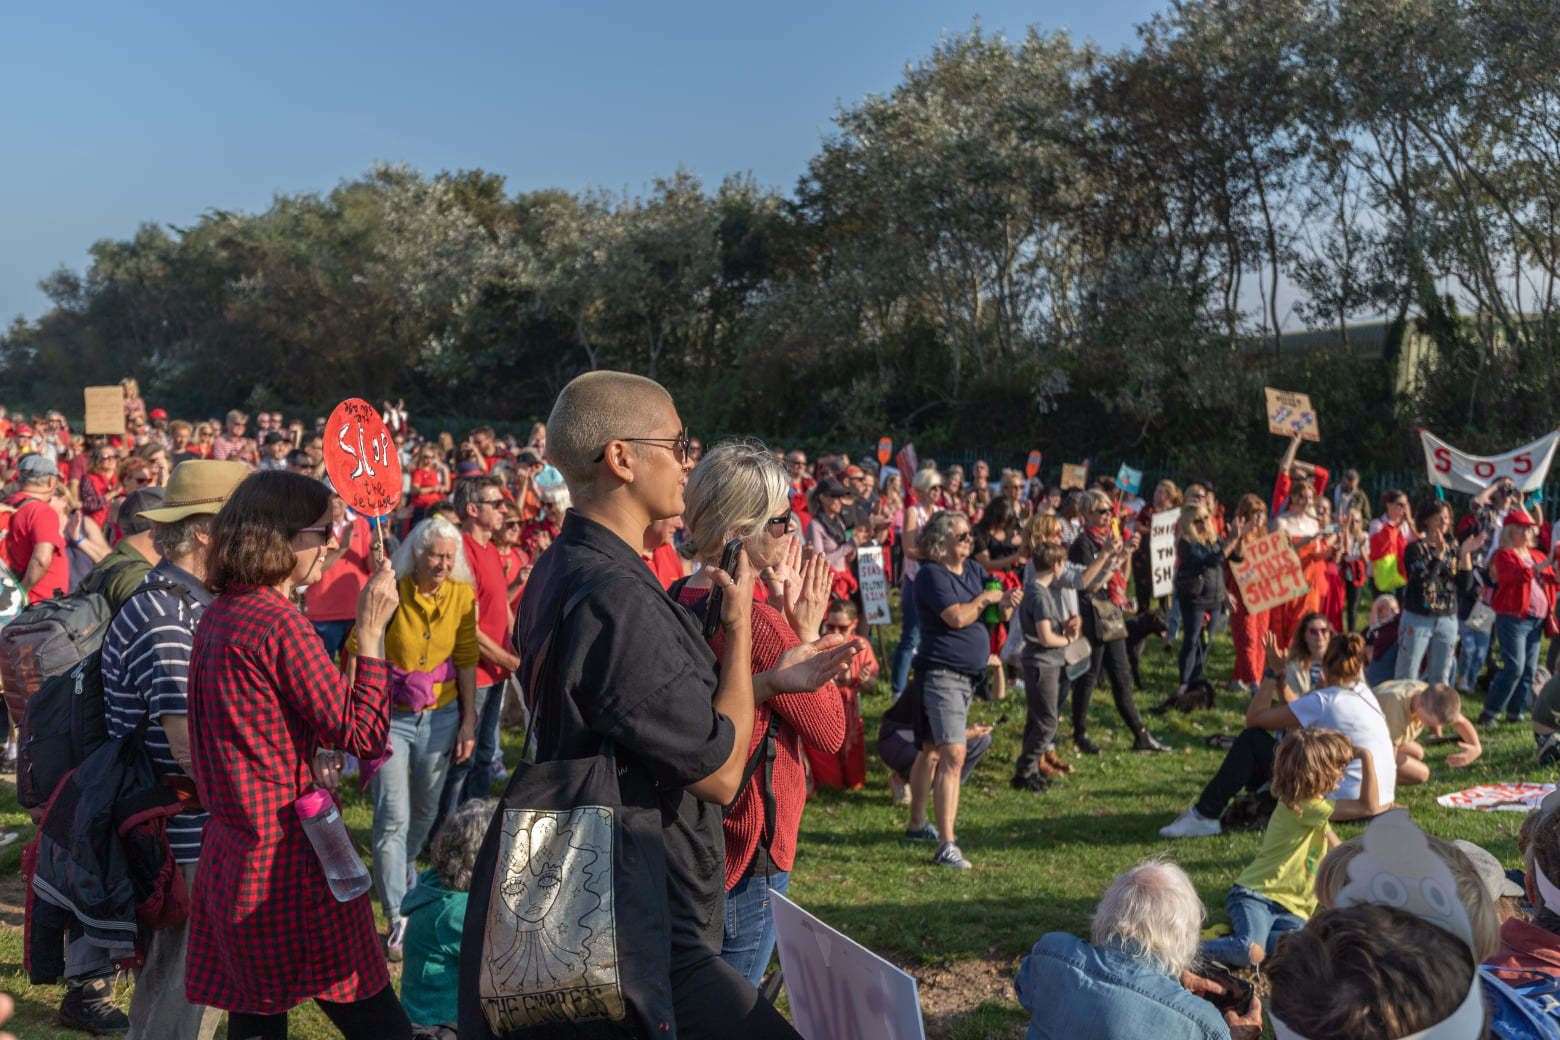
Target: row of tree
x,y
1025,243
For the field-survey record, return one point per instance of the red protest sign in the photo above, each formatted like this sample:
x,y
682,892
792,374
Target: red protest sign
x,y
1032,466
361,458
885,450
1269,573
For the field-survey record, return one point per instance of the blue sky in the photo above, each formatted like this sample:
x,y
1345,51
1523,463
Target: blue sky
x,y
116,115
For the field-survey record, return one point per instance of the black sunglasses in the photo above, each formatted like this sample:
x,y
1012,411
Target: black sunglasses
x,y
680,446
964,537
781,522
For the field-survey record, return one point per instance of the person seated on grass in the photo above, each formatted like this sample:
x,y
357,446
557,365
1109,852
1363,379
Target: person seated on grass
x,y
1546,722
896,747
1530,949
1370,972
1344,704
1133,978
1411,707
1275,894
435,916
1382,639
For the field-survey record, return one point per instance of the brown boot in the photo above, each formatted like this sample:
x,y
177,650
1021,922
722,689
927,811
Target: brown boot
x,y
1046,769
1052,759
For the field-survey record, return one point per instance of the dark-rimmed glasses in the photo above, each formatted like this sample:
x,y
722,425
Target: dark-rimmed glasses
x,y
680,446
779,525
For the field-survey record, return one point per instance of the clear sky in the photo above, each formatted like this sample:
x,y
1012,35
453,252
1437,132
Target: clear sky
x,y
115,115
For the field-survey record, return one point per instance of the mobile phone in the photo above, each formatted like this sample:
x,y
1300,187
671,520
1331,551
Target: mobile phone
x,y
1237,991
728,563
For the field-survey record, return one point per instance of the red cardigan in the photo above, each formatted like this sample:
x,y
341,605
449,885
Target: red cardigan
x,y
1513,580
816,718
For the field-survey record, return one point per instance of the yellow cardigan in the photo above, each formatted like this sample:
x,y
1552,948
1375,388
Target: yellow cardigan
x,y
425,631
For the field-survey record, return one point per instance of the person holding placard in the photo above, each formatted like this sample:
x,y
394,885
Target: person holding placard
x,y
1247,627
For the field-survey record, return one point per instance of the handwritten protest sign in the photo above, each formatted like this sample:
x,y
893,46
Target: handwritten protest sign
x,y
1512,797
874,585
1456,470
1291,413
885,450
105,406
1269,573
1161,547
1129,480
839,988
1032,465
1074,476
361,458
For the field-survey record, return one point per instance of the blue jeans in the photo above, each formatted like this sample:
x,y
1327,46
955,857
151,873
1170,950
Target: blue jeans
x,y
333,634
1470,656
750,926
1421,633
1194,648
460,774
1519,641
909,637
405,792
490,711
1253,919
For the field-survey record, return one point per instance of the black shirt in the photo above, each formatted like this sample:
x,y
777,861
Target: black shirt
x,y
634,667
1433,579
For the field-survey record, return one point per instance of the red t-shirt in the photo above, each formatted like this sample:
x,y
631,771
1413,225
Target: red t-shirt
x,y
334,597
36,523
104,486
665,564
492,603
425,487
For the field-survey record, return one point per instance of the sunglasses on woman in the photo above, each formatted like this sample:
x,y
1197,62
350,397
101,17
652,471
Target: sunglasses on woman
x,y
779,525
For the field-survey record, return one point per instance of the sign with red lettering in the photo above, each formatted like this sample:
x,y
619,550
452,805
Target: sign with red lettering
x,y
361,458
886,451
1269,573
1290,414
1455,470
1032,465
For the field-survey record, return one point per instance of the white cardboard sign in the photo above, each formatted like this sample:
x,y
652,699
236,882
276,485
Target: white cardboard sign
x,y
874,586
1161,548
839,988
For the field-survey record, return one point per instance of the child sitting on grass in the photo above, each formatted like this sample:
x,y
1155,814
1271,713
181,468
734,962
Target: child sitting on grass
x,y
1277,892
1411,707
435,917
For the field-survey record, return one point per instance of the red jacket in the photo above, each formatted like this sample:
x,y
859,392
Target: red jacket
x,y
1525,950
1514,576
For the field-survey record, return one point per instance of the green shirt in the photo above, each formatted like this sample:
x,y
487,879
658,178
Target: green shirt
x,y
1292,849
117,575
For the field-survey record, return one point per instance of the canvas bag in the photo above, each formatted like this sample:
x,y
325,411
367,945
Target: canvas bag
x,y
567,921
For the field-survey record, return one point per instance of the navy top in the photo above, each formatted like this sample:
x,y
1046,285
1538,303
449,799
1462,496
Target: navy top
x,y
961,649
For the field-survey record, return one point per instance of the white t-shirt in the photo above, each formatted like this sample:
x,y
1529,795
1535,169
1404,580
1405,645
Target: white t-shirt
x,y
1354,712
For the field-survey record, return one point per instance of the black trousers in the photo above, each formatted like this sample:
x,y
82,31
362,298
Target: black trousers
x,y
712,1001
1111,659
1246,766
380,1017
1043,690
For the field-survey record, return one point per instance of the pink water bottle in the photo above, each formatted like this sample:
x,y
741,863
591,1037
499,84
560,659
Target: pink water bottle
x,y
327,832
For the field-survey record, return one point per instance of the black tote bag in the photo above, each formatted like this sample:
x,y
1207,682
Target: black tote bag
x,y
567,931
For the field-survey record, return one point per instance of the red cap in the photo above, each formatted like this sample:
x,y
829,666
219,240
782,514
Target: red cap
x,y
854,471
1520,518
24,430
157,413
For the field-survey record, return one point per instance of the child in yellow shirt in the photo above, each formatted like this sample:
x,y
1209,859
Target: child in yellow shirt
x,y
1276,893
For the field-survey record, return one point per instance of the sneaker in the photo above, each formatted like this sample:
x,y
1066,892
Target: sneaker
x,y
90,1009
1489,722
925,832
1191,824
396,941
1034,783
950,856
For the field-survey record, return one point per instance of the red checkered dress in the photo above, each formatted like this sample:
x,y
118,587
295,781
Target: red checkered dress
x,y
265,932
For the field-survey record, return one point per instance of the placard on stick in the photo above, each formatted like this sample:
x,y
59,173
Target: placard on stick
x,y
361,458
1161,548
1290,413
874,584
1075,476
105,409
1032,465
1269,573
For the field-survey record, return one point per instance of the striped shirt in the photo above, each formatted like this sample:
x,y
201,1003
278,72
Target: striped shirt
x,y
146,665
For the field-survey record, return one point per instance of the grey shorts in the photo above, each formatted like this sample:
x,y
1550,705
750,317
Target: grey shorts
x,y
946,696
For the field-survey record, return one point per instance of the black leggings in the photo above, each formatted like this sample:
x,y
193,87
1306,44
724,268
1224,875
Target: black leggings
x,y
713,1002
1247,766
380,1017
1110,658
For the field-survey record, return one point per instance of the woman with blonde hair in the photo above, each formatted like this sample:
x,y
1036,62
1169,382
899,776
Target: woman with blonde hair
x,y
1199,585
740,491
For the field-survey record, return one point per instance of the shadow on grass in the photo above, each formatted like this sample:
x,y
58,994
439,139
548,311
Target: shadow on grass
x,y
943,931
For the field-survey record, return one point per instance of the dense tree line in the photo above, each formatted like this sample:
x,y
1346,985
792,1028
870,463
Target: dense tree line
x,y
1026,243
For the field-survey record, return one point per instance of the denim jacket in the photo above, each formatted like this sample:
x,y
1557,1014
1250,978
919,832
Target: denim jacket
x,y
1076,991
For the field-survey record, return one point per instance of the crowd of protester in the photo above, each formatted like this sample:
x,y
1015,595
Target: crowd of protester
x,y
267,639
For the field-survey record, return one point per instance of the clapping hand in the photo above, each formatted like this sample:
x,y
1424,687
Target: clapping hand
x,y
806,667
1273,657
1011,599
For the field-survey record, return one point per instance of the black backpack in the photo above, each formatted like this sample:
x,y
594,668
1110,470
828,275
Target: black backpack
x,y
64,721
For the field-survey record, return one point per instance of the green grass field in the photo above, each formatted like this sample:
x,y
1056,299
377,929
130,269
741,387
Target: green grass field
x,y
1040,861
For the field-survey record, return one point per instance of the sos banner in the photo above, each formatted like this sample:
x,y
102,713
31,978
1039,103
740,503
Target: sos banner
x,y
1455,470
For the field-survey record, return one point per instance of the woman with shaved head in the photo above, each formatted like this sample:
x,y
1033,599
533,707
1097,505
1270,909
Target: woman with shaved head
x,y
626,664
